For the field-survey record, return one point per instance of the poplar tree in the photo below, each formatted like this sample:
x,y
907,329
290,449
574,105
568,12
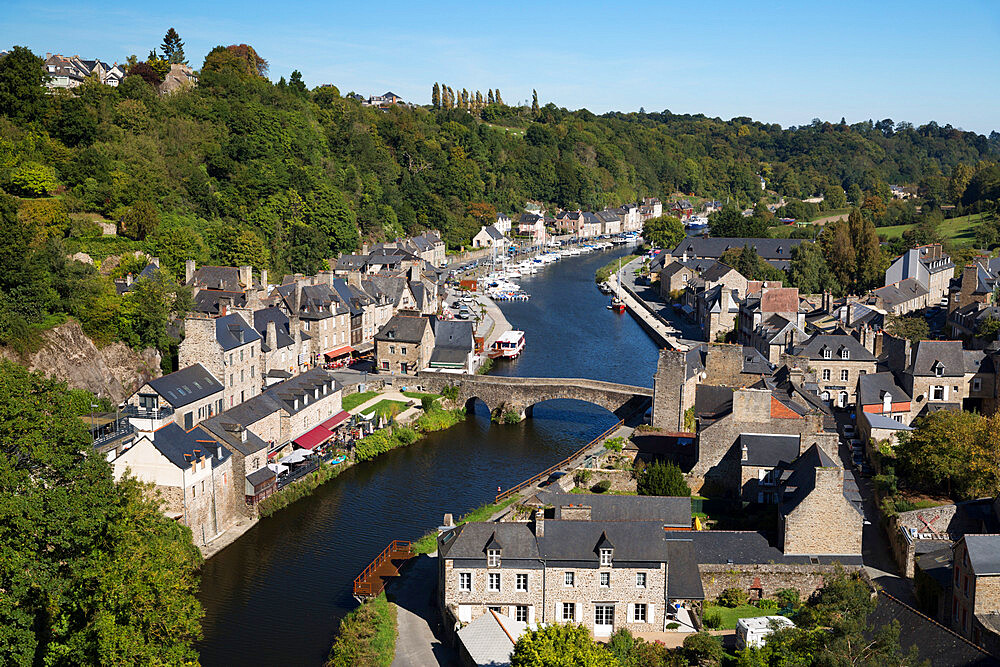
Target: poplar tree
x,y
534,101
498,98
489,99
436,96
479,100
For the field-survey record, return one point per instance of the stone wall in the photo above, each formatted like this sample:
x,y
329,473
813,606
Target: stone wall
x,y
621,480
669,389
825,522
806,579
724,365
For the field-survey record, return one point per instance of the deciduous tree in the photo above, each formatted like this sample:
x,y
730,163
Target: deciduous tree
x,y
559,645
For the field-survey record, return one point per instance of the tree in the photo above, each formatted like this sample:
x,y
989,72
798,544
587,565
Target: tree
x,y
173,48
835,197
436,96
559,645
663,232
534,102
92,571
810,272
911,327
935,455
703,649
22,85
838,248
31,179
750,265
145,72
662,479
489,96
296,85
43,219
870,260
242,247
730,222
159,65
139,221
988,328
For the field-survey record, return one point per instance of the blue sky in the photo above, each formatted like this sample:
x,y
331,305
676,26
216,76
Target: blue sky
x,y
774,61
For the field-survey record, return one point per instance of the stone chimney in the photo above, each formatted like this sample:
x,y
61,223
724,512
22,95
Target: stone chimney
x,y
189,267
225,305
155,261
540,522
271,335
364,248
246,277
263,280
354,279
752,405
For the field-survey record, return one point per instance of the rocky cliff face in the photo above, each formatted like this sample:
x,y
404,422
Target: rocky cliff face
x,y
69,355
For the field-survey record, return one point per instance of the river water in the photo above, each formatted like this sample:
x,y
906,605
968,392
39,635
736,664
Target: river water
x,y
275,596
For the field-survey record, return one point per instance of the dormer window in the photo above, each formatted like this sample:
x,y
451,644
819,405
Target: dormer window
x,y
606,557
827,353
938,369
493,558
844,353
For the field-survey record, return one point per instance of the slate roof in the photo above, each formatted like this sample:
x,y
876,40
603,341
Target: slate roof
x,y
769,249
209,301
746,547
901,292
351,262
977,361
182,447
876,420
281,324
576,541
947,353
756,363
716,272
800,479
405,328
984,553
453,334
300,386
873,386
493,232
186,386
225,278
936,644
768,450
670,511
712,402
242,415
683,579
814,347
487,640
228,329
471,538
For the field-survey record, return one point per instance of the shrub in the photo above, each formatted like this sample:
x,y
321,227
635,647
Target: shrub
x,y
511,417
767,603
732,597
672,626
450,392
602,487
712,620
613,444
787,597
405,435
426,403
33,180
662,479
582,477
366,637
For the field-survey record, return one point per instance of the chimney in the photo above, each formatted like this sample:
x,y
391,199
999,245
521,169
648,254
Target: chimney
x,y
540,522
246,276
263,279
354,279
271,335
218,451
296,305
364,248
189,267
448,522
155,261
225,303
744,452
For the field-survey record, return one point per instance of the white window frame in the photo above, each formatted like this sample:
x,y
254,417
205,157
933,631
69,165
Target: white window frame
x,y
827,353
465,582
569,579
493,558
520,611
605,581
640,579
493,582
826,375
844,375
639,613
845,354
568,607
521,583
944,392
606,557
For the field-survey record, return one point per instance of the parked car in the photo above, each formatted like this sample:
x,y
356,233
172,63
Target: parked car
x,y
553,478
858,459
848,430
854,443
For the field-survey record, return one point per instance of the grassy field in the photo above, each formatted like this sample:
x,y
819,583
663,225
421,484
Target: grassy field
x,y
354,400
420,395
730,615
830,213
961,230
386,407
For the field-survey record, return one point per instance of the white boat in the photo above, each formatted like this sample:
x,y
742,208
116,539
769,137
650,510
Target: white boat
x,y
508,346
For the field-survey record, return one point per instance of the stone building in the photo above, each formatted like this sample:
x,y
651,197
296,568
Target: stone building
x,y
404,345
838,360
770,319
190,394
975,611
229,348
237,431
919,278
218,289
714,296
281,346
193,474
976,285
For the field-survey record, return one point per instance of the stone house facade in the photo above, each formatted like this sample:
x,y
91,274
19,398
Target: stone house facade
x,y
975,605
192,394
229,348
404,345
819,518
838,360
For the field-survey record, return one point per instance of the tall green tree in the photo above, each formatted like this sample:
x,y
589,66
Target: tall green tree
x,y
92,572
560,645
663,232
173,48
810,272
534,102
662,479
436,96
22,85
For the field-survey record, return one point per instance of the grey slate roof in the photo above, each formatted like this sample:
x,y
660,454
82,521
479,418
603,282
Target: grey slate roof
x,y
455,335
225,278
352,262
182,447
873,386
684,579
901,292
745,547
223,427
281,325
801,480
876,420
228,330
769,249
815,346
487,639
712,402
209,301
576,541
984,553
670,511
947,353
186,386
405,328
470,541
768,450
716,272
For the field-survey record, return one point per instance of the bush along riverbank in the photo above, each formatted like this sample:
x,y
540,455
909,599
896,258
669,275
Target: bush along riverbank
x,y
366,637
428,543
380,442
298,489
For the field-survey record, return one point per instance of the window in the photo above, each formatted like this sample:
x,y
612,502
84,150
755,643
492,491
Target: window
x,y
521,613
385,365
402,349
977,384
194,493
938,370
605,579
568,579
640,579
494,581
605,557
639,613
845,354
826,374
465,581
231,381
827,353
568,612
241,355
521,582
843,375
392,349
937,393
493,558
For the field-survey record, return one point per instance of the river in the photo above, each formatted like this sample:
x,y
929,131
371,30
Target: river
x,y
275,596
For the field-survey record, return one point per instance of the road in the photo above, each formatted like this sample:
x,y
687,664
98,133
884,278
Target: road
x,y
650,294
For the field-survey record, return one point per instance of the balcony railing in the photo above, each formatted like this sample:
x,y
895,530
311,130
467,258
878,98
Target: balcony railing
x,y
140,412
117,429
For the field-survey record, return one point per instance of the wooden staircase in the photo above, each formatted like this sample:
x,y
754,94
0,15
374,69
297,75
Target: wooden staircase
x,y
373,580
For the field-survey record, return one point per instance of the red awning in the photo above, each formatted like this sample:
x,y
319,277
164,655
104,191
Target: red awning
x,y
339,352
314,437
336,420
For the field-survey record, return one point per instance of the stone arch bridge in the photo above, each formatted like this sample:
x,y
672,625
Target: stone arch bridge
x,y
503,395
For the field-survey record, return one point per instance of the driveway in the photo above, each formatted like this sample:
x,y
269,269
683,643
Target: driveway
x,y
417,617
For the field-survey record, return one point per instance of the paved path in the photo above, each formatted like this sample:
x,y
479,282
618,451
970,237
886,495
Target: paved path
x,y
651,296
392,395
417,614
